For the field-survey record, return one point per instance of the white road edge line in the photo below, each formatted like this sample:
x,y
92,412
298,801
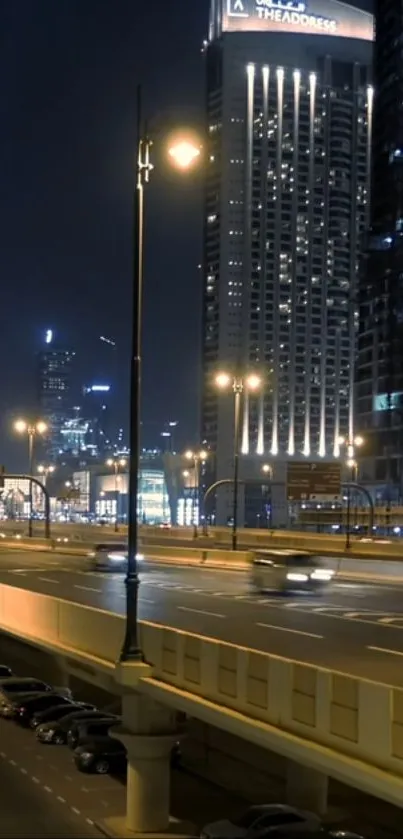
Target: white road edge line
x,y
286,629
88,588
48,580
383,650
200,612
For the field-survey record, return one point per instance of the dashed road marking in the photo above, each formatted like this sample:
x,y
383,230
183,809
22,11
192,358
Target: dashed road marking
x,y
35,780
384,650
201,612
48,789
23,771
49,580
88,588
287,629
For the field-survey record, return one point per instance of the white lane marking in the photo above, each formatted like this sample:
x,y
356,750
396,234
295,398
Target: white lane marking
x,y
389,620
75,810
88,588
48,789
2,754
13,763
286,629
48,580
61,799
35,780
23,771
383,650
200,612
144,599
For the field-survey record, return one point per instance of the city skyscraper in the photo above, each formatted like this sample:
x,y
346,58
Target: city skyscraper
x,y
289,109
54,370
380,342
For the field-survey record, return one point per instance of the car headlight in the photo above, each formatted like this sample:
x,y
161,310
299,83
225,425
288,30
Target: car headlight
x,y
297,578
85,756
322,574
114,557
139,557
92,554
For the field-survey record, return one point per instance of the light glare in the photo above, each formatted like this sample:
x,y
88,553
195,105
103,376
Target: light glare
x,y
184,153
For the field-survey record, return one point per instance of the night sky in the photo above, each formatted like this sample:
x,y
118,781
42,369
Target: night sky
x,y
69,71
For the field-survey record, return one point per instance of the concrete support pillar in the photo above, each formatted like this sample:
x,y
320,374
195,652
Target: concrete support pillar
x,y
306,788
148,782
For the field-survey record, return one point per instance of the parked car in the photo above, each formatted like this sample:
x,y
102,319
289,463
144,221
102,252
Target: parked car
x,y
282,570
260,821
56,731
27,707
5,672
101,755
58,712
110,556
89,728
12,688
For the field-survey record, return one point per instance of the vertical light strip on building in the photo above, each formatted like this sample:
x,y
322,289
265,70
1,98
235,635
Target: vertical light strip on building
x,y
370,114
276,272
336,443
260,447
245,424
293,327
324,288
247,249
355,116
308,341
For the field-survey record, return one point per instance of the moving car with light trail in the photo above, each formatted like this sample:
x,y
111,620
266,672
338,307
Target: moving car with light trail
x,y
284,570
110,556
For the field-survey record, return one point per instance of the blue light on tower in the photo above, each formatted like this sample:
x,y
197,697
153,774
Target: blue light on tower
x,y
48,336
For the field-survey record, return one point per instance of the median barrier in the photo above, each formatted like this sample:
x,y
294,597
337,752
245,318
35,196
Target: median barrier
x,y
340,725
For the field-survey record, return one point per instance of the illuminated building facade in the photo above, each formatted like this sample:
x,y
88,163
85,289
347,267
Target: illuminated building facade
x,y
289,107
54,391
380,342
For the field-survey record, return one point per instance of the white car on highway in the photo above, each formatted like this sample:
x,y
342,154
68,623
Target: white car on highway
x,y
110,556
285,570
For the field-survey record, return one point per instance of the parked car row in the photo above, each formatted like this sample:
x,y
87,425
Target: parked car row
x,y
58,719
274,821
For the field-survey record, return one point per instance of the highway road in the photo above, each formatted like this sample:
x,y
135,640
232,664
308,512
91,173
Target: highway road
x,y
355,628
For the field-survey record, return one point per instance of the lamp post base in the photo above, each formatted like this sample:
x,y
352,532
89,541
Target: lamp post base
x,y
131,650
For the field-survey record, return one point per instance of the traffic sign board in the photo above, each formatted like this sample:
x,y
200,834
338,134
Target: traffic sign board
x,y
307,481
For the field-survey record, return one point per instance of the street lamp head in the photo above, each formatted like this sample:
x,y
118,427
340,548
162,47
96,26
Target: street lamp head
x,y
189,455
21,426
358,441
51,469
122,461
185,473
41,469
341,441
253,382
41,427
184,153
351,463
203,455
109,462
266,468
222,380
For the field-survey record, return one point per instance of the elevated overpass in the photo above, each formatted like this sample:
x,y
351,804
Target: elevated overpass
x,y
331,724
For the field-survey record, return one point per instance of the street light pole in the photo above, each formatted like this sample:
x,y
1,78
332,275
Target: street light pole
x,y
31,472
237,442
116,468
131,649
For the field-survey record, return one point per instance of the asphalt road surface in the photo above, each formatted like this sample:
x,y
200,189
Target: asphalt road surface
x,y
28,811
355,628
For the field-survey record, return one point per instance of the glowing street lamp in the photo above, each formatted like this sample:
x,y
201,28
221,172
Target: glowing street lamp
x,y
350,443
32,430
197,457
250,382
184,153
116,462
45,471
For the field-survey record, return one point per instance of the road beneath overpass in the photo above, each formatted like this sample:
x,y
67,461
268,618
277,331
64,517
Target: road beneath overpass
x,y
355,628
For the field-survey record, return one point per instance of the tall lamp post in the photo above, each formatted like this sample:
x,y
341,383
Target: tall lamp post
x,y
350,443
32,430
197,458
267,469
182,153
249,382
115,462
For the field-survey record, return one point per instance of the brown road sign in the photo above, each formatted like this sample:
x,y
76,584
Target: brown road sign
x,y
308,481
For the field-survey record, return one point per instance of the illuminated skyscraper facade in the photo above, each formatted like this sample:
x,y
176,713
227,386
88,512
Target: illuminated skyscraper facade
x,y
289,107
54,391
380,343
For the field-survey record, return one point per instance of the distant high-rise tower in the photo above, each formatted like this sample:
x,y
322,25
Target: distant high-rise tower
x,y
380,343
289,107
54,391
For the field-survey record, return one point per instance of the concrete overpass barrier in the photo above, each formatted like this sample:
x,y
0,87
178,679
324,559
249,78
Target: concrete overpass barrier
x,y
346,727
